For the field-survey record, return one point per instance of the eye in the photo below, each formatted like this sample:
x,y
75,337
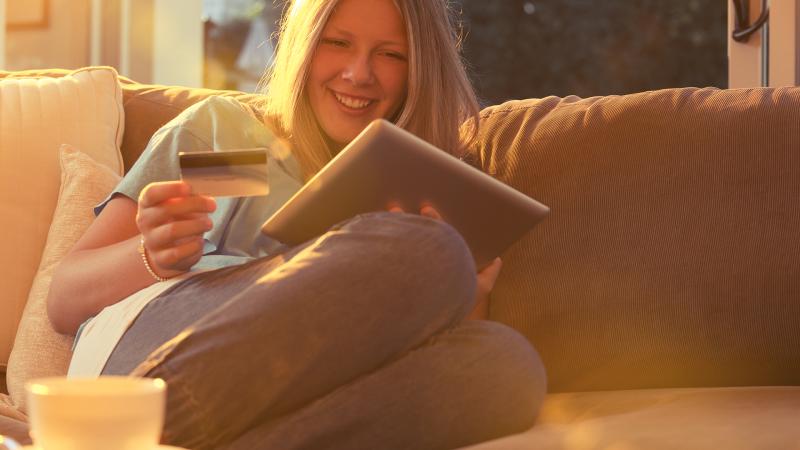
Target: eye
x,y
395,55
341,43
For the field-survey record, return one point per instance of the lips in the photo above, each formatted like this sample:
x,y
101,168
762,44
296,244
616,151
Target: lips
x,y
350,102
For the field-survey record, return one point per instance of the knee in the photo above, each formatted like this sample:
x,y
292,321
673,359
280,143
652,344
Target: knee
x,y
430,254
412,235
518,382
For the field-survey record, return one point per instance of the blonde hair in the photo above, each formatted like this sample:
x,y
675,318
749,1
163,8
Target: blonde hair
x,y
440,98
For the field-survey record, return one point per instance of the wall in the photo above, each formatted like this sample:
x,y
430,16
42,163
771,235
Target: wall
x,y
63,44
784,43
166,40
2,34
165,36
177,50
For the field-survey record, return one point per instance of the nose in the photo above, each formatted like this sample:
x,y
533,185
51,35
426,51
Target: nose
x,y
359,70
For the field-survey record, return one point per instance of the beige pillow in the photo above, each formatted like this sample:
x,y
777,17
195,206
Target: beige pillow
x,y
37,115
38,350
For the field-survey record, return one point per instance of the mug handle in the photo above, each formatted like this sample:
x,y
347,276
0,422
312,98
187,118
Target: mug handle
x,y
6,443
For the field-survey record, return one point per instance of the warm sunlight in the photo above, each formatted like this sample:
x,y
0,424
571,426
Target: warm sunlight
x,y
399,224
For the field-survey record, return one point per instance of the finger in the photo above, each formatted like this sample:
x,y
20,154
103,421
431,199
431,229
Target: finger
x,y
179,257
191,216
489,274
186,206
394,208
155,193
430,211
173,233
175,208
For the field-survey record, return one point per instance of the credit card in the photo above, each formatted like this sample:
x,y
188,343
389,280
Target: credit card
x,y
226,173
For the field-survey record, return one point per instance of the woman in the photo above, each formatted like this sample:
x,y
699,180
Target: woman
x,y
357,339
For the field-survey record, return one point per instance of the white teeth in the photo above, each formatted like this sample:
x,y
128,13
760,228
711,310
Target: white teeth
x,y
351,102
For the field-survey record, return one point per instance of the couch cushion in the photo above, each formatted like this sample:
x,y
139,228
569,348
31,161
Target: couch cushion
x,y
670,257
149,107
37,115
38,350
756,418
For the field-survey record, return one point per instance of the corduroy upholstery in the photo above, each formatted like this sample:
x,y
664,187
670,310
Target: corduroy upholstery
x,y
670,258
148,107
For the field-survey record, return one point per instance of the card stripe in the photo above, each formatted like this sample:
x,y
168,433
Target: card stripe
x,y
222,158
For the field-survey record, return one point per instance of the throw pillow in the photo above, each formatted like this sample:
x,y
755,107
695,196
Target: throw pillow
x,y
37,115
38,350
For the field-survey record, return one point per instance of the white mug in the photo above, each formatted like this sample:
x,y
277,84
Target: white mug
x,y
120,413
6,443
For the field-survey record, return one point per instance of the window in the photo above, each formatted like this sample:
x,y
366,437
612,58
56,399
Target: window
x,y
238,42
535,48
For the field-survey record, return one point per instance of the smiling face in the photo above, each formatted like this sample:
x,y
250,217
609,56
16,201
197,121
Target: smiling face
x,y
359,71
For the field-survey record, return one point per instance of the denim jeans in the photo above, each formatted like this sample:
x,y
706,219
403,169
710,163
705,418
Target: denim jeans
x,y
355,340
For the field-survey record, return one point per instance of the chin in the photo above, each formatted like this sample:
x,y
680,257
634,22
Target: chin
x,y
342,138
345,134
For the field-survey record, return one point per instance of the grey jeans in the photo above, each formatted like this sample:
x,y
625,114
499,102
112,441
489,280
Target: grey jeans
x,y
355,340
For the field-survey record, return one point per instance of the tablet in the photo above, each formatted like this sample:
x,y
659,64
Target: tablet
x,y
386,165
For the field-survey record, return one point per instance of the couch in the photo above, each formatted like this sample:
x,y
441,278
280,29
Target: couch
x,y
663,291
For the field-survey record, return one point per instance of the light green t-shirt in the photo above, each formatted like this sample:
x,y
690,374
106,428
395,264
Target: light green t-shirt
x,y
219,123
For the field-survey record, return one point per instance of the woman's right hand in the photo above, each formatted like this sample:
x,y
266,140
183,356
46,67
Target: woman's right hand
x,y
172,221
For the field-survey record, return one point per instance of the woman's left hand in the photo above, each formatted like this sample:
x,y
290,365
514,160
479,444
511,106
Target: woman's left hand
x,y
486,277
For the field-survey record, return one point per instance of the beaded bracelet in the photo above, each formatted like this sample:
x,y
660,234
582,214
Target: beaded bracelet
x,y
143,252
